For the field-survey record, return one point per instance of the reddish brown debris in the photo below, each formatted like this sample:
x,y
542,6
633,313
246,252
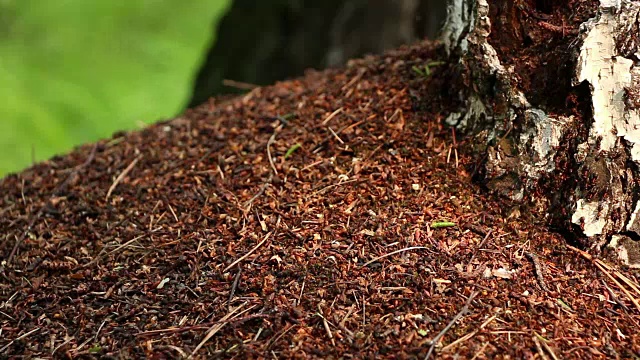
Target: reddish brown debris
x,y
187,237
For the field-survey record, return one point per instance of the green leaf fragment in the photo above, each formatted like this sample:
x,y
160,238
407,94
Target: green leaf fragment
x,y
426,70
291,150
441,224
564,304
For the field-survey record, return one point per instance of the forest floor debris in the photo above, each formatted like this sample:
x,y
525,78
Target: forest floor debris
x,y
208,236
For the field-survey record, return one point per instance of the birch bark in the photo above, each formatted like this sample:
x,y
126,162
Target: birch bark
x,y
552,88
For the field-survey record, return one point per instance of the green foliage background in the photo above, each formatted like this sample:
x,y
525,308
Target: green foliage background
x,y
74,71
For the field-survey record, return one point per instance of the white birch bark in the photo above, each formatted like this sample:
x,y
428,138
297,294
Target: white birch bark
x,y
604,204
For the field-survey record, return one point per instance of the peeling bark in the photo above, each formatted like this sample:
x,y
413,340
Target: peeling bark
x,y
553,90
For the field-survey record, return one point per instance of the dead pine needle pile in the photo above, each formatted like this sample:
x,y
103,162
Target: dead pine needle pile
x,y
328,217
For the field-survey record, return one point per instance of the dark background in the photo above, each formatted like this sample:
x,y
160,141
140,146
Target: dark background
x,y
260,42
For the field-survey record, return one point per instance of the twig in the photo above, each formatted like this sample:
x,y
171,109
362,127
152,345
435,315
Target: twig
x,y
326,326
271,140
354,80
471,334
336,136
121,246
249,253
624,290
539,348
475,252
18,339
632,284
260,192
543,341
484,346
269,143
438,337
68,340
614,296
331,116
538,270
55,191
177,330
605,268
393,253
460,340
333,185
215,328
234,287
302,290
326,139
283,333
121,176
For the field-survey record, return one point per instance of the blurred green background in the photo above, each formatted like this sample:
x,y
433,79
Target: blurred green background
x,y
73,71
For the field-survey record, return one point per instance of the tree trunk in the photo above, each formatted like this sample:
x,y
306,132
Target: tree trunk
x,y
261,42
552,92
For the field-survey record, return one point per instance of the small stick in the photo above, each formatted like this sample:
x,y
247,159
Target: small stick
x,y
172,212
302,290
177,330
460,340
538,270
438,337
272,342
393,253
260,192
333,114
333,185
336,136
632,284
215,328
234,287
539,348
349,312
326,326
484,346
604,267
255,338
101,255
345,128
546,347
624,290
18,339
121,176
455,145
269,143
364,311
249,253
311,165
475,252
354,80
613,295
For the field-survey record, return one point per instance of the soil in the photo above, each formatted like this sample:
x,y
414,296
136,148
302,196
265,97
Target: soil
x,y
331,216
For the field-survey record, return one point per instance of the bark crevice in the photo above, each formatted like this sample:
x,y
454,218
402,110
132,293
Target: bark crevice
x,y
552,89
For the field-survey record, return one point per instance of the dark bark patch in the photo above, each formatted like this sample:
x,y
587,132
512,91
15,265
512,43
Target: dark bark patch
x,y
540,40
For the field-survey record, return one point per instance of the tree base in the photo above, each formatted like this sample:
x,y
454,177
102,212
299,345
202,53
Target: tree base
x,y
551,90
